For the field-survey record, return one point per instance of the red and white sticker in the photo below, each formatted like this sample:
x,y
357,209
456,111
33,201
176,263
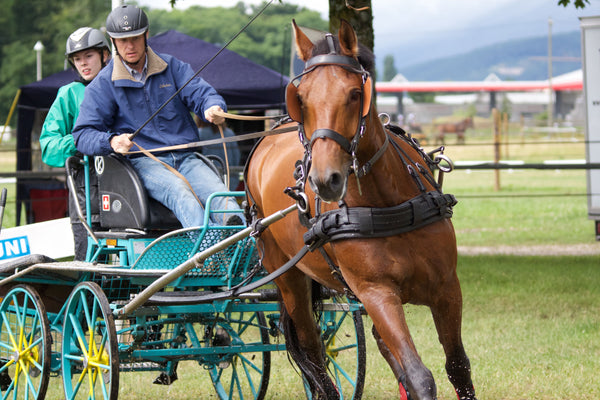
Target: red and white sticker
x,y
105,202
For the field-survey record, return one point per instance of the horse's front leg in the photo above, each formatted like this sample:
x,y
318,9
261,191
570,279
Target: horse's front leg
x,y
394,365
447,315
384,306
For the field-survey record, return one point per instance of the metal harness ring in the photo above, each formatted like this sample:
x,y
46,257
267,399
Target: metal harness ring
x,y
441,157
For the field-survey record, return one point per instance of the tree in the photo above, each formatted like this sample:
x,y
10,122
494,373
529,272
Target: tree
x,y
266,41
49,21
358,13
576,3
389,69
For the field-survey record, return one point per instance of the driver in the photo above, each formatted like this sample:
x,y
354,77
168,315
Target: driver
x,y
135,84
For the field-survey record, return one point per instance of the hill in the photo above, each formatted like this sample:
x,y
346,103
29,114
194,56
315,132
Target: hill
x,y
518,59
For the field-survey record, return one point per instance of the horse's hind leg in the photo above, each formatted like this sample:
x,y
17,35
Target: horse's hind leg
x,y
302,335
394,365
447,314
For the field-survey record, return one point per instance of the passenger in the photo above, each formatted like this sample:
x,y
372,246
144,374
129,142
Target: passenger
x,y
88,52
135,84
208,131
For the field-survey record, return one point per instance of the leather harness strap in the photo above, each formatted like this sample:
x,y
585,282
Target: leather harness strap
x,y
365,222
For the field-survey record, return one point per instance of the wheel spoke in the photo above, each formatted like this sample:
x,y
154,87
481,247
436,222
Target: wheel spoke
x,y
27,378
80,336
245,363
11,334
246,374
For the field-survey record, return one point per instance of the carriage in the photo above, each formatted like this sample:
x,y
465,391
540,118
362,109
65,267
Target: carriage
x,y
150,296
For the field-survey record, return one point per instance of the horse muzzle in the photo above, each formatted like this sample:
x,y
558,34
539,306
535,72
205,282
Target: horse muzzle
x,y
330,186
328,175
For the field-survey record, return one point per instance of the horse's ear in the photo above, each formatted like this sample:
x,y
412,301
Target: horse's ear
x,y
292,103
303,44
348,39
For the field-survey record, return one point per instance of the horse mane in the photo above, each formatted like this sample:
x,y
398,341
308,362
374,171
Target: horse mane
x,y
366,58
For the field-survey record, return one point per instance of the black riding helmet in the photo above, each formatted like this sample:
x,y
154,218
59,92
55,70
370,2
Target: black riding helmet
x,y
126,21
83,39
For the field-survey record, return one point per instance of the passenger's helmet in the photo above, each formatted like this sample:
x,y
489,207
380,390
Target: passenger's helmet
x,y
126,21
85,38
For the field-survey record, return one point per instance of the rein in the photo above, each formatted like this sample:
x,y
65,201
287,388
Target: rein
x,y
237,138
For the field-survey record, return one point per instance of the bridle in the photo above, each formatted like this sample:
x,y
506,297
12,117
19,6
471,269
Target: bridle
x,y
295,112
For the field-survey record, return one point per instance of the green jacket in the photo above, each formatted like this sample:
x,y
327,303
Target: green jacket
x,y
56,140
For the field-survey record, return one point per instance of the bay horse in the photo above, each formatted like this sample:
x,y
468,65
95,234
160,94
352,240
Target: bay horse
x,y
383,266
458,128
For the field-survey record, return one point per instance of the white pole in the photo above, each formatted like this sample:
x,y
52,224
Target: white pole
x,y
550,91
38,47
115,4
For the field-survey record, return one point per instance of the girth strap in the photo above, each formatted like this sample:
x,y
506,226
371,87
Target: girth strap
x,y
365,222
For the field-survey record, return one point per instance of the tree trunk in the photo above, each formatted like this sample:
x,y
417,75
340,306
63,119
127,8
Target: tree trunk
x,y
361,21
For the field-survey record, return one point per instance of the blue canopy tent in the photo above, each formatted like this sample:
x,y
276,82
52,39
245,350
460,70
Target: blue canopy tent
x,y
244,84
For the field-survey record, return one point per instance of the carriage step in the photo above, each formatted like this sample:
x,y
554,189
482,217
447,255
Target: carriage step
x,y
141,366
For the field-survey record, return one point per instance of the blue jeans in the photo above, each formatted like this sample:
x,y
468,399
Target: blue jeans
x,y
166,187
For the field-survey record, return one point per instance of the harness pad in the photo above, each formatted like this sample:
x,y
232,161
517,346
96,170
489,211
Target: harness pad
x,y
366,222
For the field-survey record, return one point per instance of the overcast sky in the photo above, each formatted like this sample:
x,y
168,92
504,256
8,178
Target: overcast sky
x,y
417,30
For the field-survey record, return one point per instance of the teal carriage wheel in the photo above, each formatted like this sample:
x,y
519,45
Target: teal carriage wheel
x,y
343,335
24,345
90,358
245,374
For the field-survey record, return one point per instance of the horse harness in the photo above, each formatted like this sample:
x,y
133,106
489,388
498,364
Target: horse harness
x,y
364,222
361,222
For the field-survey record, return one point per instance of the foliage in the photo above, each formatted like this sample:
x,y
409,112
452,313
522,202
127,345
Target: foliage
x,y
576,3
22,23
266,41
422,97
389,69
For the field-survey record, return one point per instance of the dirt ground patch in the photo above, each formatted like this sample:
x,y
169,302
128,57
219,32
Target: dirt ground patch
x,y
540,250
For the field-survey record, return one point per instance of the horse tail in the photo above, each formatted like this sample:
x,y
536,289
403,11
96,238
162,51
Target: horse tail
x,y
314,372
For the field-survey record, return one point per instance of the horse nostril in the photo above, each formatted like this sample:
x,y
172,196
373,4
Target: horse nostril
x,y
335,181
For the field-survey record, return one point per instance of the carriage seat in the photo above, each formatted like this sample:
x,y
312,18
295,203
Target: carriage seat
x,y
123,200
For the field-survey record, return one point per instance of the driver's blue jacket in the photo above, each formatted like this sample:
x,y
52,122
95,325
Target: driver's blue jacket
x,y
115,103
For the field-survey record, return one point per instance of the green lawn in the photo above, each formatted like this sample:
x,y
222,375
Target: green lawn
x,y
530,327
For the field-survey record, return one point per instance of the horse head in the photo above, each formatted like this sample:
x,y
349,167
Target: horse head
x,y
330,100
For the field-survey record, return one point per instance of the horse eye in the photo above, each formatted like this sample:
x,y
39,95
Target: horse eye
x,y
355,95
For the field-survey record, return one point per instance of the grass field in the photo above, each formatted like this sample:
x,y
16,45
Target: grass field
x,y
530,327
531,323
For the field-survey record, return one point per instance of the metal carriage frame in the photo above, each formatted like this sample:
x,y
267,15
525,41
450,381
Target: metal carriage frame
x,y
146,303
